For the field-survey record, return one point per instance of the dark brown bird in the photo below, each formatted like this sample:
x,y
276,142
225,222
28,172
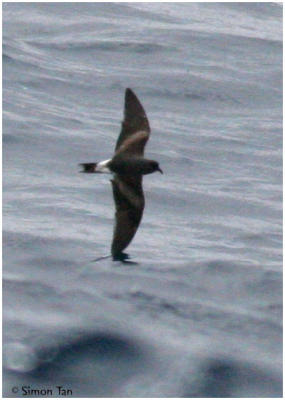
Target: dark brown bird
x,y
128,167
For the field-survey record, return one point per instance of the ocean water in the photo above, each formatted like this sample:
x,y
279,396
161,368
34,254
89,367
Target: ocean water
x,y
200,314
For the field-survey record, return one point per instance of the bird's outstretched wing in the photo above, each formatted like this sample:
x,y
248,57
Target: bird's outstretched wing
x,y
135,127
129,202
127,188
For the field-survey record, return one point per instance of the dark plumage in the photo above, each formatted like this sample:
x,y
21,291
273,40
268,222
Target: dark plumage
x,y
128,167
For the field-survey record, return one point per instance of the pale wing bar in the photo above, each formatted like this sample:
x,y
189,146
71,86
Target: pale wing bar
x,y
135,118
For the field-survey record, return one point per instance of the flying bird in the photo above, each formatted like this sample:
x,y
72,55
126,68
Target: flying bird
x,y
127,166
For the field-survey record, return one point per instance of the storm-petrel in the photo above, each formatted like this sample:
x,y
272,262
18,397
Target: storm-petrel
x,y
128,166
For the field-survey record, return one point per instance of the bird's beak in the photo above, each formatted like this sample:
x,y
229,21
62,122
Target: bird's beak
x,y
160,170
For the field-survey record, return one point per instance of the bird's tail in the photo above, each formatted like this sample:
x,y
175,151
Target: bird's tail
x,y
88,168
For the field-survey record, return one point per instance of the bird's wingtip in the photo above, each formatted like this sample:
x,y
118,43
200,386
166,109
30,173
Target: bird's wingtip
x,y
130,93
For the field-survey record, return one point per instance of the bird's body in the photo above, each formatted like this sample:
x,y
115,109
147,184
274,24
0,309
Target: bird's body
x,y
128,167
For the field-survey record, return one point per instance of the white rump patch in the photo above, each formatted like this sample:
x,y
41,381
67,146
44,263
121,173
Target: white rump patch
x,y
103,167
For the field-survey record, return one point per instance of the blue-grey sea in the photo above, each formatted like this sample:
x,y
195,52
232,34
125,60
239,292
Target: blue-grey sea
x,y
200,313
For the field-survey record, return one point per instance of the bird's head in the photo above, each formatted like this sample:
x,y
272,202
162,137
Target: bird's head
x,y
154,166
